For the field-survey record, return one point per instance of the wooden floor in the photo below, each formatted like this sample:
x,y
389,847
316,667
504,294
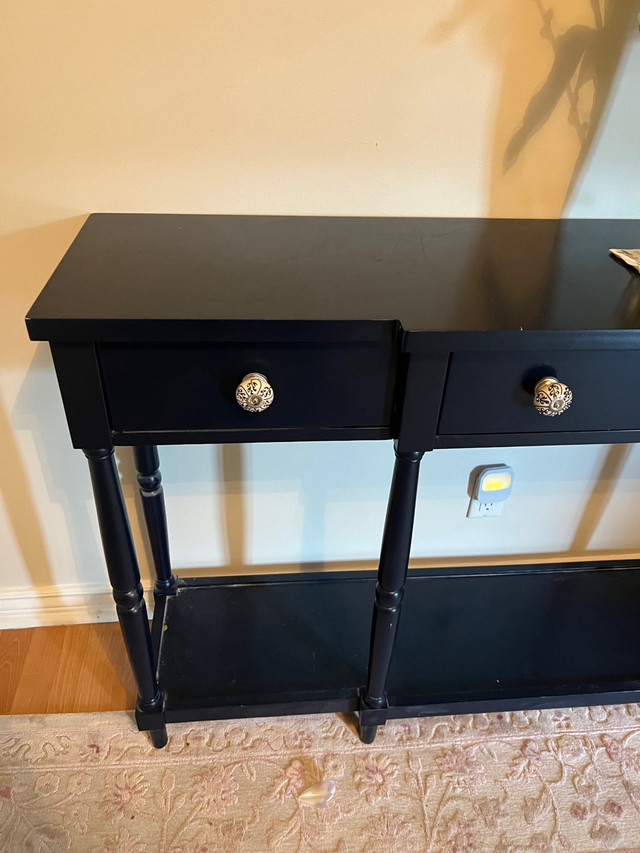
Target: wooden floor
x,y
65,669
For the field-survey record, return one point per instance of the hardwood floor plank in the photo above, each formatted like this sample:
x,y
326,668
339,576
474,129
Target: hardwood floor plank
x,y
65,669
14,646
94,672
39,670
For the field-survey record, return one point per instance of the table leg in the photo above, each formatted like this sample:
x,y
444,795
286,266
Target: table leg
x,y
124,576
150,482
392,574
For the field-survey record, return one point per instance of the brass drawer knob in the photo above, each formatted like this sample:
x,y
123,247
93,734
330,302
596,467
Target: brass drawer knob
x,y
551,397
254,393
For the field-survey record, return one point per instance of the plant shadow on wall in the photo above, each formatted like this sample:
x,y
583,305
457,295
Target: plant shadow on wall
x,y
584,57
578,45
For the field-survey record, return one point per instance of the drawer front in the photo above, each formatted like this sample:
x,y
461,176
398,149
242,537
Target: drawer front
x,y
492,392
176,387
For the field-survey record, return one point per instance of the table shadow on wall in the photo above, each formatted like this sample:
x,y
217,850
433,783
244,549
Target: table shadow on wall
x,y
230,475
39,410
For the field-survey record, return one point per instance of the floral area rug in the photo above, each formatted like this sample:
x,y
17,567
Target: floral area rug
x,y
539,781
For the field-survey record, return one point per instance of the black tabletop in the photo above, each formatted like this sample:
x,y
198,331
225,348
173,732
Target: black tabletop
x,y
130,275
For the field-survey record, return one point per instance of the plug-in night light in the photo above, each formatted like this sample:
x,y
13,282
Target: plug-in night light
x,y
493,483
492,487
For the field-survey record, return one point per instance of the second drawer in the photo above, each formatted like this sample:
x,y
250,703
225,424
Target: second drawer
x,y
492,392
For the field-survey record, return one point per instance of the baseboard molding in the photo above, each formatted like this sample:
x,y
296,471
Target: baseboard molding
x,y
70,604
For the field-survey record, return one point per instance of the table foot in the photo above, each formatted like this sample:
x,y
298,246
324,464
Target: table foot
x,y
367,733
150,718
371,717
158,737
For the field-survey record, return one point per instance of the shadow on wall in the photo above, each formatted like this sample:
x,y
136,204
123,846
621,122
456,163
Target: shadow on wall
x,y
229,460
296,472
584,57
21,511
39,411
605,483
558,63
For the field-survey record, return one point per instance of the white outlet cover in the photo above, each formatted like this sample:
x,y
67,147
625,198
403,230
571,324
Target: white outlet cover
x,y
484,510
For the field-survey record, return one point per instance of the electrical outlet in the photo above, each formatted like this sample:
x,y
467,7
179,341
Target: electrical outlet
x,y
484,510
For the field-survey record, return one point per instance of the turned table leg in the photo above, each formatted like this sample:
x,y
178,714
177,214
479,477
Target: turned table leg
x,y
150,482
392,574
124,576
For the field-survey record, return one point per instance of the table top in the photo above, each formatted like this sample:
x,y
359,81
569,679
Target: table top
x,y
146,276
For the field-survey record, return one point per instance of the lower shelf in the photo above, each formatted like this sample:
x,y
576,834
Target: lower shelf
x,y
265,645
521,637
470,639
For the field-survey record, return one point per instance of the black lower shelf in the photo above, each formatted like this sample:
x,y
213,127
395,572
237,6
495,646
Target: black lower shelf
x,y
265,645
518,637
469,639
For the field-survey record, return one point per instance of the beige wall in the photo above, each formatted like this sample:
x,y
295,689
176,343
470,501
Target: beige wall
x,y
475,107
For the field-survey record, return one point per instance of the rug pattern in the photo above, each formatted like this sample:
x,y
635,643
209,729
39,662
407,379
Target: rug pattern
x,y
564,781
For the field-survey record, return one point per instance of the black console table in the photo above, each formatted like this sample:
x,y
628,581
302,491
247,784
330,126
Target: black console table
x,y
436,333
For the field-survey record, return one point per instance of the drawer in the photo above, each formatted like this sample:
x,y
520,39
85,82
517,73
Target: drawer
x,y
183,387
492,392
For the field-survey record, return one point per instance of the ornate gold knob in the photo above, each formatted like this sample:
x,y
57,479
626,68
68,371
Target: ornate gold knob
x,y
254,393
551,397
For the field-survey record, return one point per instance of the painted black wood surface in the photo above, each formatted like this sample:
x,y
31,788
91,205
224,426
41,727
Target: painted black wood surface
x,y
158,277
152,387
470,639
147,464
488,393
154,318
392,575
124,576
428,331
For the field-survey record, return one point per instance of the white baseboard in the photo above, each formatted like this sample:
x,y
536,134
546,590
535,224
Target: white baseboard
x,y
69,604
